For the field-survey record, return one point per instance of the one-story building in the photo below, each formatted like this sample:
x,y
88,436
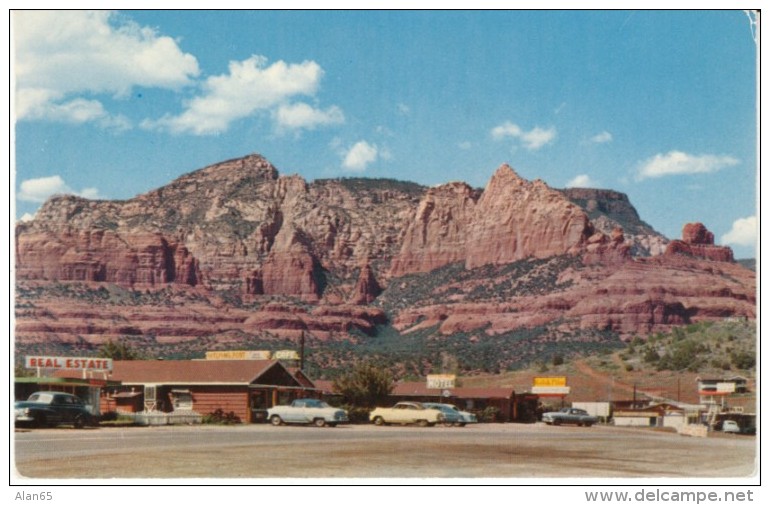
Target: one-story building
x,y
247,388
661,415
503,401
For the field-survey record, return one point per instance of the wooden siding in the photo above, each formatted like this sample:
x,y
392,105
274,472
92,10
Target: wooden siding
x,y
208,399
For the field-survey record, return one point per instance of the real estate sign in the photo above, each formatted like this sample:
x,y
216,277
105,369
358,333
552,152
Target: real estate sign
x,y
68,363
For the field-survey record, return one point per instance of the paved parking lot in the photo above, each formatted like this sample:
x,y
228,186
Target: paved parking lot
x,y
365,451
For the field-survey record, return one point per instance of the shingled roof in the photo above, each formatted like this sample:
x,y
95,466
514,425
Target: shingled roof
x,y
421,389
231,372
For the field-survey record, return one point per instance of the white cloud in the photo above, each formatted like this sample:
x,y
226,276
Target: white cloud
x,y
743,232
26,217
360,156
581,181
602,138
677,162
40,189
533,139
506,129
302,115
250,87
78,111
537,138
403,109
61,56
465,145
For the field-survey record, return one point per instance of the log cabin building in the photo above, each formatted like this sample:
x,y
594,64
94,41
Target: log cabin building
x,y
247,388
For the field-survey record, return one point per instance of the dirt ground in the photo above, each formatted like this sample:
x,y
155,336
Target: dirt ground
x,y
480,451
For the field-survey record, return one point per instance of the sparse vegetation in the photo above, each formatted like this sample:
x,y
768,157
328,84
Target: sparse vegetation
x,y
708,346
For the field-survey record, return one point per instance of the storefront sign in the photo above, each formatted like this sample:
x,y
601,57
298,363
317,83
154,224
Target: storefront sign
x,y
550,382
550,390
441,381
238,355
285,355
68,363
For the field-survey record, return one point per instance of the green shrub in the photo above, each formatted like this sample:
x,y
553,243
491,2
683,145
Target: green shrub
x,y
489,415
220,417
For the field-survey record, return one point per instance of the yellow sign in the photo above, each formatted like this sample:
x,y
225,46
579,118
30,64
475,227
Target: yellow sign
x,y
285,355
238,355
550,382
441,381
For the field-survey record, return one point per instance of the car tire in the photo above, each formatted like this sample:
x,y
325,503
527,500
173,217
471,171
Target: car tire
x,y
460,425
422,423
319,422
276,420
79,422
379,421
556,422
40,421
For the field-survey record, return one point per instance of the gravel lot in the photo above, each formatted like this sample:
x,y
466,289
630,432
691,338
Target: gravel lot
x,y
299,452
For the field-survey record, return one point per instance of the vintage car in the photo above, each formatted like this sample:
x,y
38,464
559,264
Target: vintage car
x,y
454,416
51,408
307,411
406,413
570,415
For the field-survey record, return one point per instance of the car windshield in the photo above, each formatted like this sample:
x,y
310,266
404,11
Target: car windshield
x,y
437,406
41,397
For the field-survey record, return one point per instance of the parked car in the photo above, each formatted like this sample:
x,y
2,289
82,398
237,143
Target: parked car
x,y
453,415
570,415
51,408
307,411
406,413
730,426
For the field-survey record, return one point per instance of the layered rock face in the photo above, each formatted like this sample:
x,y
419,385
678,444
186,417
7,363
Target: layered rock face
x,y
609,210
237,249
105,256
511,220
438,233
234,224
698,242
517,219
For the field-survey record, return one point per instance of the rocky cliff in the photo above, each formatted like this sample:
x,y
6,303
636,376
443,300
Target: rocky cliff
x,y
236,251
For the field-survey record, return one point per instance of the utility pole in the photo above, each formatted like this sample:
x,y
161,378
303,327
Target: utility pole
x,y
302,351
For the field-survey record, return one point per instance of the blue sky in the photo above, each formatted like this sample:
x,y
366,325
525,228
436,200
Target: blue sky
x,y
660,105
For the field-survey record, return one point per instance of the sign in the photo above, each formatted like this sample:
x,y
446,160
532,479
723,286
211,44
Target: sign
x,y
441,381
287,354
725,387
549,382
550,390
238,355
68,363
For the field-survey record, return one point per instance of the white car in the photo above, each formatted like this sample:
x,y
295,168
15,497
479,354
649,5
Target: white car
x,y
406,413
307,411
730,427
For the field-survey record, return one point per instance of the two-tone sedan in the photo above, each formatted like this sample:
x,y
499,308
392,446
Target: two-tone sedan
x,y
407,413
307,411
454,416
569,415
